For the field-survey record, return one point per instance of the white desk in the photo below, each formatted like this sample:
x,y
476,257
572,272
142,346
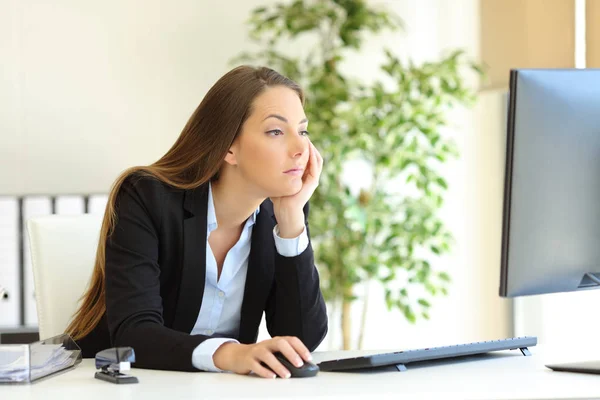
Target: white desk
x,y
501,375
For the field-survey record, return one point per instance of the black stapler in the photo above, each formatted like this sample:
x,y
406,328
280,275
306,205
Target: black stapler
x,y
112,362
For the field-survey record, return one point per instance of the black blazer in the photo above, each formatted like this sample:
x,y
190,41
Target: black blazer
x,y
155,277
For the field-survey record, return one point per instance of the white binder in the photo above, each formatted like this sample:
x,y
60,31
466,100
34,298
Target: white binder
x,y
10,288
32,206
69,205
97,203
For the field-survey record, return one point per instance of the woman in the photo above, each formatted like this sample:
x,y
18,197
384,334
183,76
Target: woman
x,y
195,247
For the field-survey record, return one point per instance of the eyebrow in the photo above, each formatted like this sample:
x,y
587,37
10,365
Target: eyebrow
x,y
279,117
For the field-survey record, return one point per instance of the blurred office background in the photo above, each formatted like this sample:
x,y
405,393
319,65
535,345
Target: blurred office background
x,y
88,89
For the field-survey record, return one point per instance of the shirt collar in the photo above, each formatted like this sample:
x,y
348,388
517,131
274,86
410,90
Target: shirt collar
x,y
211,216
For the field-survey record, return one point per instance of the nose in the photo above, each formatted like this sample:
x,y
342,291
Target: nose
x,y
297,145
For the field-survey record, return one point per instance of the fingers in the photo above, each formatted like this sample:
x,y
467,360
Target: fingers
x,y
274,364
320,159
264,363
314,162
299,348
263,372
314,167
283,345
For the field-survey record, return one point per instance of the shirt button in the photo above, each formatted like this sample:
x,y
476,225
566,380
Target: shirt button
x,y
221,293
209,332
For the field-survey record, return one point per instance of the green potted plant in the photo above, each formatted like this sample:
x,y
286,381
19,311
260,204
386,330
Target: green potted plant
x,y
389,230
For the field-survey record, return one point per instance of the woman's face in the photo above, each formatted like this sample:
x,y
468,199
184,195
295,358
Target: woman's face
x,y
272,149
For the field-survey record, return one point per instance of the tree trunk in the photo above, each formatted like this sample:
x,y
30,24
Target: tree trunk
x,y
333,313
363,319
346,320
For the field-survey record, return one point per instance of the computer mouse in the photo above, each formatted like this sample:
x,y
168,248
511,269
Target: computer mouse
x,y
307,370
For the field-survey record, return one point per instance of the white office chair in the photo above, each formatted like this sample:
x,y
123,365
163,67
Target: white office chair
x,y
63,251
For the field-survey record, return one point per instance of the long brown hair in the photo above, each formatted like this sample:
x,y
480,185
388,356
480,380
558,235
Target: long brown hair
x,y
194,159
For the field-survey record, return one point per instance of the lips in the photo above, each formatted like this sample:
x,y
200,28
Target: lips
x,y
294,171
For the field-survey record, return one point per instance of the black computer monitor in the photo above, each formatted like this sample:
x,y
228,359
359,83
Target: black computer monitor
x,y
551,217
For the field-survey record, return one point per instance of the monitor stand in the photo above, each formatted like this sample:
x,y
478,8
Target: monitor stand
x,y
589,279
585,367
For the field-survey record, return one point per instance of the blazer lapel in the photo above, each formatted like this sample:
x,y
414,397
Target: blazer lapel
x,y
259,278
193,274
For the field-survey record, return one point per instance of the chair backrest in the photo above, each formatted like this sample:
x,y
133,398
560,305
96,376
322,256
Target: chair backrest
x,y
63,251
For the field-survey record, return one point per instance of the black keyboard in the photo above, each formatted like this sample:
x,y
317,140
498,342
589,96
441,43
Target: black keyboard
x,y
399,359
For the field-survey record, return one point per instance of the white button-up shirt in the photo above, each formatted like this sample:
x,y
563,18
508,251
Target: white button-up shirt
x,y
220,312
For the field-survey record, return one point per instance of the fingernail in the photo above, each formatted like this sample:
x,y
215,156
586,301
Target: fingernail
x,y
274,376
299,362
309,357
288,375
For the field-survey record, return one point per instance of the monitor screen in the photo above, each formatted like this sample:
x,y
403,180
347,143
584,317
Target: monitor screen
x,y
551,214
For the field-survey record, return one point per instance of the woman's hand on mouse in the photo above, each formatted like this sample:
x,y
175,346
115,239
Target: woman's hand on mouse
x,y
246,358
288,209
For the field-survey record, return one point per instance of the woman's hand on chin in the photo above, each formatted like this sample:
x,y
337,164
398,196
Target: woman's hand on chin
x,y
288,209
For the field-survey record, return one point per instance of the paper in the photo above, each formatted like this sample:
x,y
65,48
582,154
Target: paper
x,y
9,262
24,363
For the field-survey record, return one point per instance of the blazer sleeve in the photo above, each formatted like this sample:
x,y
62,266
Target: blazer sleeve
x,y
133,300
295,306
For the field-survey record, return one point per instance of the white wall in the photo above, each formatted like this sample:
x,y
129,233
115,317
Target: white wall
x,y
91,88
559,320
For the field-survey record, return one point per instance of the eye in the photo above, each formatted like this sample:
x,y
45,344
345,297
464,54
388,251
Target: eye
x,y
305,133
275,132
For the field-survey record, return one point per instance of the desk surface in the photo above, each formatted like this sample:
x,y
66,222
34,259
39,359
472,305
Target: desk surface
x,y
499,375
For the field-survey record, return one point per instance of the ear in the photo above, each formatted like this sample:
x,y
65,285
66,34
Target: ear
x,y
230,157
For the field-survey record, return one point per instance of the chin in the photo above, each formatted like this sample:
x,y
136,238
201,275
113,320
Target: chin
x,y
286,189
284,192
